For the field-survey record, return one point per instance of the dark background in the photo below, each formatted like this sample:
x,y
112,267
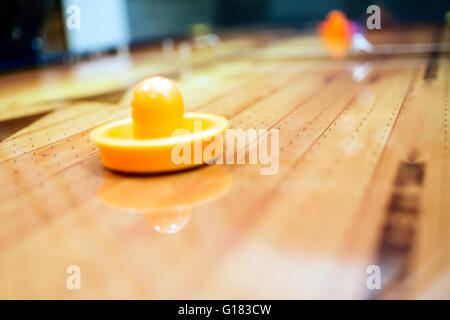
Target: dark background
x,y
33,32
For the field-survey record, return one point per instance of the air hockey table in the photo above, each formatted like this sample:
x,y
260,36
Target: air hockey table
x,y
363,183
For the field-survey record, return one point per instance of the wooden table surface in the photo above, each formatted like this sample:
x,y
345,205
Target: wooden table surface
x,y
363,175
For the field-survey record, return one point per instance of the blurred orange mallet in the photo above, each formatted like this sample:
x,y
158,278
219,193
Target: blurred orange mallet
x,y
336,33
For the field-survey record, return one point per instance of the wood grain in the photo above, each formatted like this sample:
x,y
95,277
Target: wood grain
x,y
363,176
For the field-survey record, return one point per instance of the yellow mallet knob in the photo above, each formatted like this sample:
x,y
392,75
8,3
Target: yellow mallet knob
x,y
157,108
